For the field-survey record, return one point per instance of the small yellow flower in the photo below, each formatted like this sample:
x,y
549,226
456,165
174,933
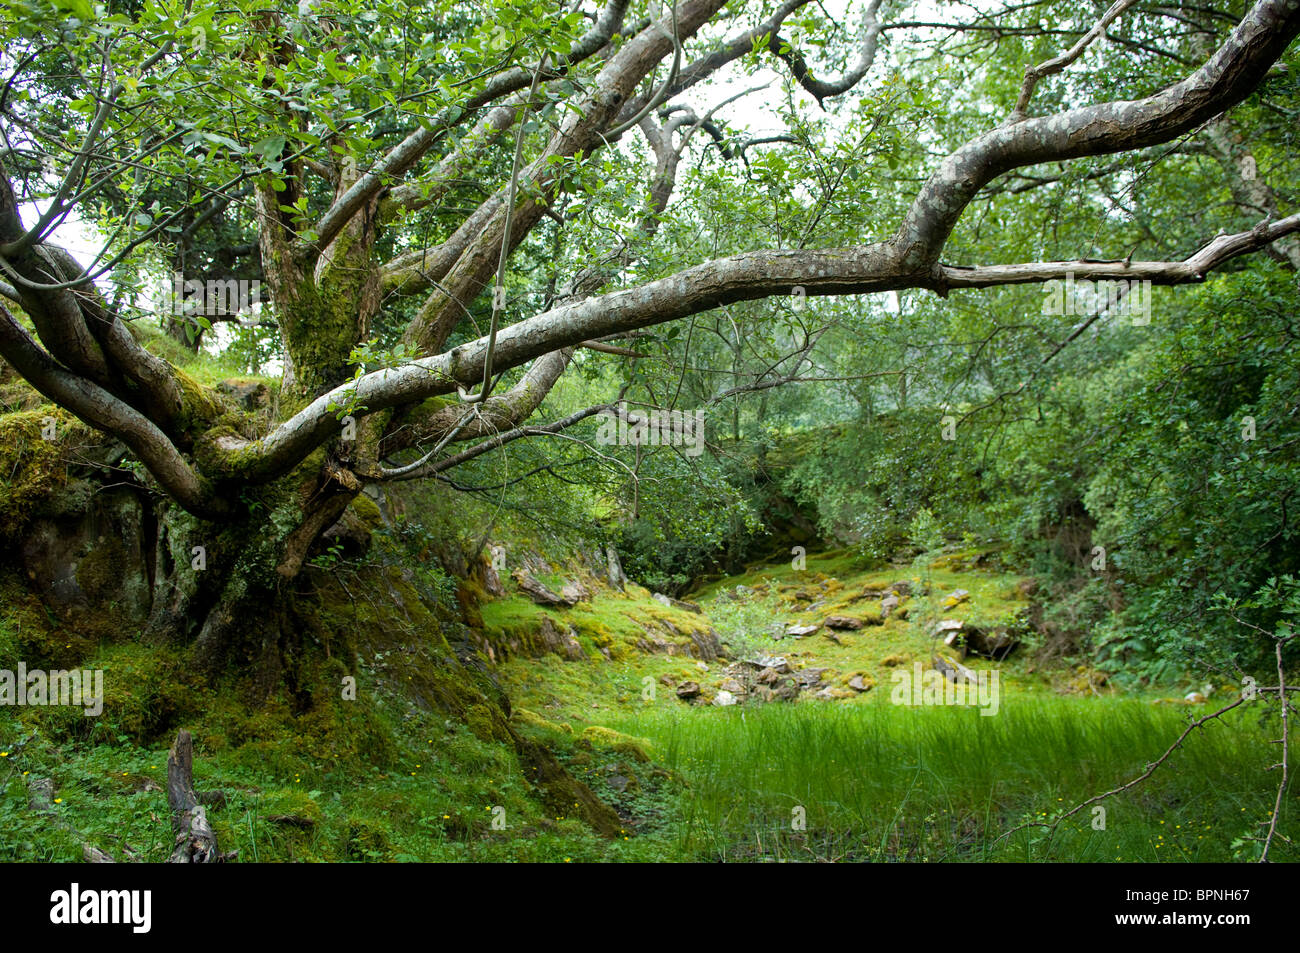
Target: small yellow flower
x,y
4,754
58,800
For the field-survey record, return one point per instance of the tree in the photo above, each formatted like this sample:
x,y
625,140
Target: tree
x,y
390,164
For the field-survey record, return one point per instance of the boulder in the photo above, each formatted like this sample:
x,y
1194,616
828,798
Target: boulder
x,y
861,683
492,580
563,643
777,662
250,395
90,560
538,592
809,677
953,670
688,690
614,567
574,592
799,631
842,622
732,685
676,603
956,597
887,605
995,643
707,645
724,698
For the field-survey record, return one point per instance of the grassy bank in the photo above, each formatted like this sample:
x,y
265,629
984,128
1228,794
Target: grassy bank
x,y
886,782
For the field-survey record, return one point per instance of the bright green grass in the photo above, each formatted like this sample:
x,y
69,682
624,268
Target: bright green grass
x,y
897,783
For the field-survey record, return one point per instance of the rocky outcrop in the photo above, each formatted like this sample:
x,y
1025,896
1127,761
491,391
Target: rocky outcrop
x,y
92,563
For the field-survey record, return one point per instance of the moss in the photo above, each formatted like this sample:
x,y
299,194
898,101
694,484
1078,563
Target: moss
x,y
33,467
598,736
367,510
366,840
291,806
487,723
533,720
199,405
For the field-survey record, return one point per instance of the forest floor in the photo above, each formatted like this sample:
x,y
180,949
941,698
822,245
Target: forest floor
x,y
843,773
851,769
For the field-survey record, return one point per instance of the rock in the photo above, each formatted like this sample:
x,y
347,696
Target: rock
x,y
573,593
723,699
250,395
676,603
597,736
732,686
688,690
41,792
492,580
902,588
1194,698
824,695
769,676
707,645
799,631
861,683
944,626
538,592
90,563
777,662
888,605
953,670
614,567
667,680
617,782
563,643
809,677
816,605
893,661
995,643
956,597
701,666
842,622
833,637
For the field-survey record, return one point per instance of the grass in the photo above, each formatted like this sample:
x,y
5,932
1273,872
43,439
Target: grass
x,y
393,780
891,783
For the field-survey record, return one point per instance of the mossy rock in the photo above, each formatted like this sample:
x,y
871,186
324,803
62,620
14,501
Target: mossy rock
x,y
290,808
533,720
366,840
608,738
